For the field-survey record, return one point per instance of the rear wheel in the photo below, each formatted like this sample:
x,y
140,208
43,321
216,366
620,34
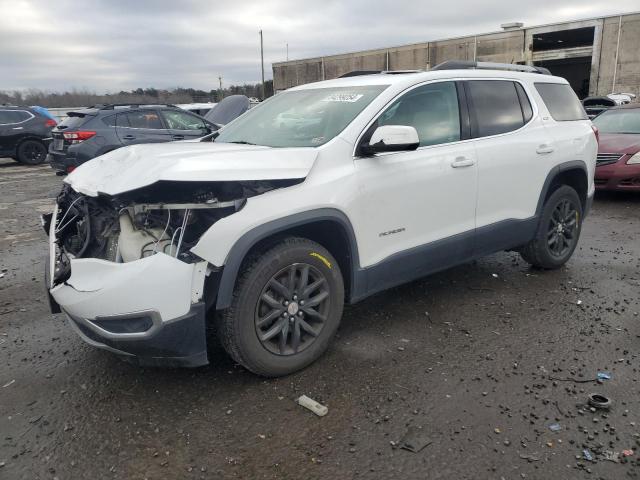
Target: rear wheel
x,y
286,308
31,152
558,230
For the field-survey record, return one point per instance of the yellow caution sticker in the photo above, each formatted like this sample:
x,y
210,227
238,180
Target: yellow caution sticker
x,y
321,258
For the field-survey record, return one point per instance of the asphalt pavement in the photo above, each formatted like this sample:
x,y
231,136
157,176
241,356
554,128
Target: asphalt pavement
x,y
487,366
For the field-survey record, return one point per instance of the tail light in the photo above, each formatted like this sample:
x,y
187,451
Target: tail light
x,y
77,137
50,123
596,132
70,169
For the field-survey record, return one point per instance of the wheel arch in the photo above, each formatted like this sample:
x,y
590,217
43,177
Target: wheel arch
x,y
573,173
329,227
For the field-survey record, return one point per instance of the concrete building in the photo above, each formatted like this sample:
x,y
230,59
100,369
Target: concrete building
x,y
597,56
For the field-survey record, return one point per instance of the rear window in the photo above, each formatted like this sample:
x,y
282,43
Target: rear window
x,y
73,121
496,107
562,102
13,116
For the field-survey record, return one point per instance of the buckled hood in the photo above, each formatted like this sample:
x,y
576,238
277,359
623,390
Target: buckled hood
x,y
137,166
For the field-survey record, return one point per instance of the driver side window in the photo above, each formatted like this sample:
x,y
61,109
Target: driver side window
x,y
431,109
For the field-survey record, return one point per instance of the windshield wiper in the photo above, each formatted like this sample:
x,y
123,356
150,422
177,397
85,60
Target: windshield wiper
x,y
242,142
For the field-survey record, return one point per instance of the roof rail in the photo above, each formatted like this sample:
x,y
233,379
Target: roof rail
x,y
111,106
469,64
357,73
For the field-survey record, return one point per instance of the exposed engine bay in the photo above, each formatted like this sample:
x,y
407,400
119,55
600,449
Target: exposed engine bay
x,y
167,217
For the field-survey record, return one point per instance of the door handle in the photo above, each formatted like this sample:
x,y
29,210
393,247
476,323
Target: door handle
x,y
128,137
178,137
544,149
461,162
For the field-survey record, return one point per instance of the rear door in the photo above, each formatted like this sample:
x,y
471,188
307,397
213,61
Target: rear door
x,y
141,126
184,125
13,126
514,157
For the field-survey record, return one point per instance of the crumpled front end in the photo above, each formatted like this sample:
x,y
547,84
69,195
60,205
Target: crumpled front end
x,y
122,271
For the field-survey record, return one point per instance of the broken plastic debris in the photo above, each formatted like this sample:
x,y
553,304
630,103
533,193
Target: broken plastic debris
x,y
311,404
579,302
7,384
587,455
611,456
555,427
414,440
627,453
604,376
494,275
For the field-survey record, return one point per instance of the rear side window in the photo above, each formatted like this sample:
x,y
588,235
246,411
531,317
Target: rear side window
x,y
110,121
496,107
142,119
562,102
8,117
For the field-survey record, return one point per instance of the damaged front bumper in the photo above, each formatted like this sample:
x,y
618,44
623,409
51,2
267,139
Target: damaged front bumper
x,y
150,311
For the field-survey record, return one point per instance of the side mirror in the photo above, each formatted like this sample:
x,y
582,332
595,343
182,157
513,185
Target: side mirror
x,y
392,138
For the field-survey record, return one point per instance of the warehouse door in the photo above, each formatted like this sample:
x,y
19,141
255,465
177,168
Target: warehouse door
x,y
567,51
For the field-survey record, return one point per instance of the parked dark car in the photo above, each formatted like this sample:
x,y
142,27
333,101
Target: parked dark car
x,y
618,163
594,106
90,132
25,134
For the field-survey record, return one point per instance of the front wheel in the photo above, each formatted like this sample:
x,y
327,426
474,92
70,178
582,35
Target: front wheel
x,y
286,307
558,230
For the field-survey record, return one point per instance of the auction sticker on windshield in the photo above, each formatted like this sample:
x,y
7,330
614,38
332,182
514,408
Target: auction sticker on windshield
x,y
343,97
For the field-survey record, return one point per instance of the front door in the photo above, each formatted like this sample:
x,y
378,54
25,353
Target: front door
x,y
416,209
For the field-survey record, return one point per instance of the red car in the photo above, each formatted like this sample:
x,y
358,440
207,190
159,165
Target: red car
x,y
618,165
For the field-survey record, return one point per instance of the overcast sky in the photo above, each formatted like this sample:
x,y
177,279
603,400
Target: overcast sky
x,y
110,45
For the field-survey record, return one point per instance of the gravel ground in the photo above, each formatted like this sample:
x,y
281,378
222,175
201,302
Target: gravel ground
x,y
479,360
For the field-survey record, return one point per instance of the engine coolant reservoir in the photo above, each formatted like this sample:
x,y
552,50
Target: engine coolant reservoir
x,y
135,244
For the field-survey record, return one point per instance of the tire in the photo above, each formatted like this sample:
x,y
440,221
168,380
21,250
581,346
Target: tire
x,y
246,329
31,152
558,231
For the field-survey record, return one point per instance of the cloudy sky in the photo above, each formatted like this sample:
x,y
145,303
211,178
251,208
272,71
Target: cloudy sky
x,y
111,45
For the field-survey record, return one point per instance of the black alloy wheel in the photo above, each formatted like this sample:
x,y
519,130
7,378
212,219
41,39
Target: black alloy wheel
x,y
563,226
292,309
31,152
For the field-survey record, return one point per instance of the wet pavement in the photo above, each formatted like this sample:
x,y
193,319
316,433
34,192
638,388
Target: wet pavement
x,y
483,359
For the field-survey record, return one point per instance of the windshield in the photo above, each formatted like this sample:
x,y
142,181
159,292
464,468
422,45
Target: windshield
x,y
619,121
303,118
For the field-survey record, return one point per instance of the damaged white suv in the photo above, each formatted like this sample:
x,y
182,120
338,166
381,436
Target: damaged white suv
x,y
265,232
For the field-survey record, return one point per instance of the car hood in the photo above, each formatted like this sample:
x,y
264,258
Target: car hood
x,y
138,166
619,143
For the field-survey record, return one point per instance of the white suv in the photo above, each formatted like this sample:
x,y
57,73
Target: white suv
x,y
267,230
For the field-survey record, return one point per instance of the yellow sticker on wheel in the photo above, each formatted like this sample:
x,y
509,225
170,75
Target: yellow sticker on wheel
x,y
321,258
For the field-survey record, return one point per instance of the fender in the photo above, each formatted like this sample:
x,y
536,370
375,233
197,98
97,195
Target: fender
x,y
244,244
553,173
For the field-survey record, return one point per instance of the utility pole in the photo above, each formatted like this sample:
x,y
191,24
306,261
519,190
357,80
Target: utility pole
x,y
221,91
287,52
262,64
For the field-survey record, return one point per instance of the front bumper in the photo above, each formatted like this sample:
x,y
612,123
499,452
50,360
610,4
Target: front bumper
x,y
149,311
618,176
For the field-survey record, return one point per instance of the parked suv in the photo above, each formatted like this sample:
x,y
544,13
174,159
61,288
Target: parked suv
x,y
90,132
272,227
25,133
